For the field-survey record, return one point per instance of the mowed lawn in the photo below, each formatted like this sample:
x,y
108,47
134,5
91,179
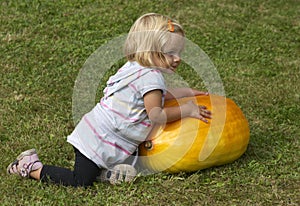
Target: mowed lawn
x,y
254,45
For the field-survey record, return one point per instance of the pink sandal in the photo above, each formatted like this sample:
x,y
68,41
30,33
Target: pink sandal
x,y
25,163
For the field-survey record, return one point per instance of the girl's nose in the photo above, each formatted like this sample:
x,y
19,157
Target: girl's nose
x,y
177,58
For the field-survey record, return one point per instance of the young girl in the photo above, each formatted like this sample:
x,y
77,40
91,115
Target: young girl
x,y
132,103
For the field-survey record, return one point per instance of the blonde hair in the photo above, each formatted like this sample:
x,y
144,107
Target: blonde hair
x,y
147,38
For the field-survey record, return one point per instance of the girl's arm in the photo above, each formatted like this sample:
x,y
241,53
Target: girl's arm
x,y
183,92
157,114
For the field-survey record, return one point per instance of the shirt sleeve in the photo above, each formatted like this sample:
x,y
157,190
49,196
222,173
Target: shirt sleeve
x,y
152,80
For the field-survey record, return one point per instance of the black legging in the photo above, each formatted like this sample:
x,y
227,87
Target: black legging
x,y
84,174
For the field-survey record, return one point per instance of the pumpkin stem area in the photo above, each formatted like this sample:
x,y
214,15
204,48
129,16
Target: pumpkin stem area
x,y
148,145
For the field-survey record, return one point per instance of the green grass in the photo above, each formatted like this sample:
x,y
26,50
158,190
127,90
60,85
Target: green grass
x,y
255,46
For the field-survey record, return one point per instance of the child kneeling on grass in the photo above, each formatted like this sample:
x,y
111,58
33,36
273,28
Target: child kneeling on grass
x,y
132,103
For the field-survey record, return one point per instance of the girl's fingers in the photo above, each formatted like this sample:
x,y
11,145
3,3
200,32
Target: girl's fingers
x,y
201,93
205,113
204,119
203,109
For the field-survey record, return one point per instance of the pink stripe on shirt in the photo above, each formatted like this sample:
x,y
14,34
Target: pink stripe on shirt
x,y
133,87
105,141
122,116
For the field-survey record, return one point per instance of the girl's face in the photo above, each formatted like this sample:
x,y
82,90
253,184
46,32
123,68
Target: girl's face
x,y
172,52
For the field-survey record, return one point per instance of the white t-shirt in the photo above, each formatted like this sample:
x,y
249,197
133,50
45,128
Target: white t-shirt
x,y
118,123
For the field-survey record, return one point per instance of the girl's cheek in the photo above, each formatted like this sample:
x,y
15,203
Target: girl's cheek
x,y
170,60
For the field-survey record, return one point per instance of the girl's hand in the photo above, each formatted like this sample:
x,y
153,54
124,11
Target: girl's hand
x,y
198,111
196,93
176,93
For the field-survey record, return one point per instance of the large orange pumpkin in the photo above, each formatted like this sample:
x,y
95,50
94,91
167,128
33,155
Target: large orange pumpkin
x,y
189,144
